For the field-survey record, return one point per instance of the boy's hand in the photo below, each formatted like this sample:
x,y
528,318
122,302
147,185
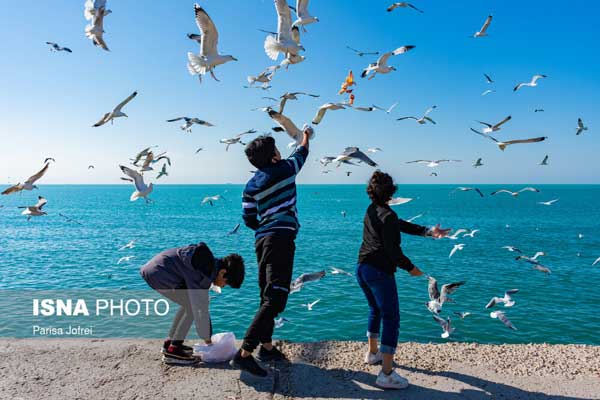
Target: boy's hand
x,y
415,272
437,232
308,132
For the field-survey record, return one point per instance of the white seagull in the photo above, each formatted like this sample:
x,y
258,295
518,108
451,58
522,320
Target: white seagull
x,y
396,201
289,127
516,194
548,203
211,199
477,163
236,139
380,66
454,235
284,41
545,160
338,271
446,326
487,91
116,112
291,96
468,189
36,210
502,317
483,31
124,259
354,153
431,163
489,128
471,234
141,189
29,184
580,127
95,11
422,120
310,306
532,83
264,77
512,249
279,322
437,298
299,282
304,17
411,219
456,247
503,145
402,4
187,126
209,56
129,245
324,108
596,262
506,300
388,110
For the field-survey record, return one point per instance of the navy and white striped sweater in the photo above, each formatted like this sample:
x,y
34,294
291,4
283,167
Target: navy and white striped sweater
x,y
269,199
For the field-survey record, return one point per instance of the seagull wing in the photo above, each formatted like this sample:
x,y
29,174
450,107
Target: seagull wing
x,y
536,77
138,180
443,323
382,61
492,302
502,191
502,122
403,118
430,109
284,20
302,8
175,119
502,317
38,175
419,162
402,50
529,189
485,123
487,77
518,141
432,289
41,202
210,36
359,155
486,24
124,102
320,114
102,121
449,288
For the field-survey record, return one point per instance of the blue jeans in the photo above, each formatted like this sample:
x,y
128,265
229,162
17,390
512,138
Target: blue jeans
x,y
382,295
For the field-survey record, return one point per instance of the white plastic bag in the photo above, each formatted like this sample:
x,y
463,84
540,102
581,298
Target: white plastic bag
x,y
222,348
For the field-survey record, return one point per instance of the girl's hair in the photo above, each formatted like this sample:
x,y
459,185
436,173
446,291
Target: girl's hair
x,y
381,188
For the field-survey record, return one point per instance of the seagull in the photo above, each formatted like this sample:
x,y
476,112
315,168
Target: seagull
x,y
487,91
538,110
483,31
502,317
354,153
290,58
236,139
326,160
548,203
343,213
292,96
387,111
209,57
454,236
304,17
288,126
580,127
545,160
456,247
338,271
141,189
580,236
533,82
68,219
152,159
488,79
362,53
396,201
95,11
129,245
141,154
116,112
380,66
471,234
512,249
55,47
431,163
234,231
324,108
279,322
516,194
310,306
533,261
596,262
462,315
199,150
507,299
91,167
189,122
348,173
468,189
477,163
504,145
124,259
489,128
29,184
415,217
437,298
283,42
299,282
433,174
36,210
445,324
373,150
264,77
211,199
402,4
423,120
163,172
542,268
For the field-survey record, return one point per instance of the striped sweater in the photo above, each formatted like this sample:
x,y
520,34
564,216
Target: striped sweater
x,y
269,199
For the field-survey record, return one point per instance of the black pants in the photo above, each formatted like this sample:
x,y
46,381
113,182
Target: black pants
x,y
275,256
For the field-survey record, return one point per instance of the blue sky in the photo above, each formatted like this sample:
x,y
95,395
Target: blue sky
x,y
50,100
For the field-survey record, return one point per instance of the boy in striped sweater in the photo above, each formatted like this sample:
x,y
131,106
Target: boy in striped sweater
x,y
269,208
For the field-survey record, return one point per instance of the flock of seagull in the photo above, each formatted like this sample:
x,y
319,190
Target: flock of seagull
x,y
285,42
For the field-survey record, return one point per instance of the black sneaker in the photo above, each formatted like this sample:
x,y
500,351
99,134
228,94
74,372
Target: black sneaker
x,y
274,354
247,364
176,355
185,348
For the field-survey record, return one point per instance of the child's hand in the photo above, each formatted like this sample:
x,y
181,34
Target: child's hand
x,y
415,272
308,131
437,232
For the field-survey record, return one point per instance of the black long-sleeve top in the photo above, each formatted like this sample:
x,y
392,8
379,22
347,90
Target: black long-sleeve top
x,y
381,239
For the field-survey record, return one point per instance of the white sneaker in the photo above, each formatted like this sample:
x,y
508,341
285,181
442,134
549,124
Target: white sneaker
x,y
391,381
372,359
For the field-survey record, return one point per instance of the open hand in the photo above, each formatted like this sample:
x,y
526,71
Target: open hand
x,y
437,232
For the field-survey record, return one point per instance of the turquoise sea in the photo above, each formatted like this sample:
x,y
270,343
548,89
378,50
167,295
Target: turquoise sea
x,y
50,253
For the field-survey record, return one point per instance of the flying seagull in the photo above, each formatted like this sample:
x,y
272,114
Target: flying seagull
x,y
462,315
580,127
489,128
304,17
503,145
29,184
483,31
68,219
532,83
596,262
299,282
512,249
362,53
235,230
548,203
477,163
396,201
471,234
36,210
209,56
388,110
534,262
95,11
288,126
502,317
456,247
236,139
264,77
545,160
141,189
283,42
55,47
488,79
292,96
380,66
437,298
324,108
431,163
338,271
468,189
415,217
373,150
129,245
402,4
445,324
116,112
516,194
211,199
163,172
124,259
187,126
537,110
354,153
422,120
454,236
310,306
279,322
486,92
506,300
